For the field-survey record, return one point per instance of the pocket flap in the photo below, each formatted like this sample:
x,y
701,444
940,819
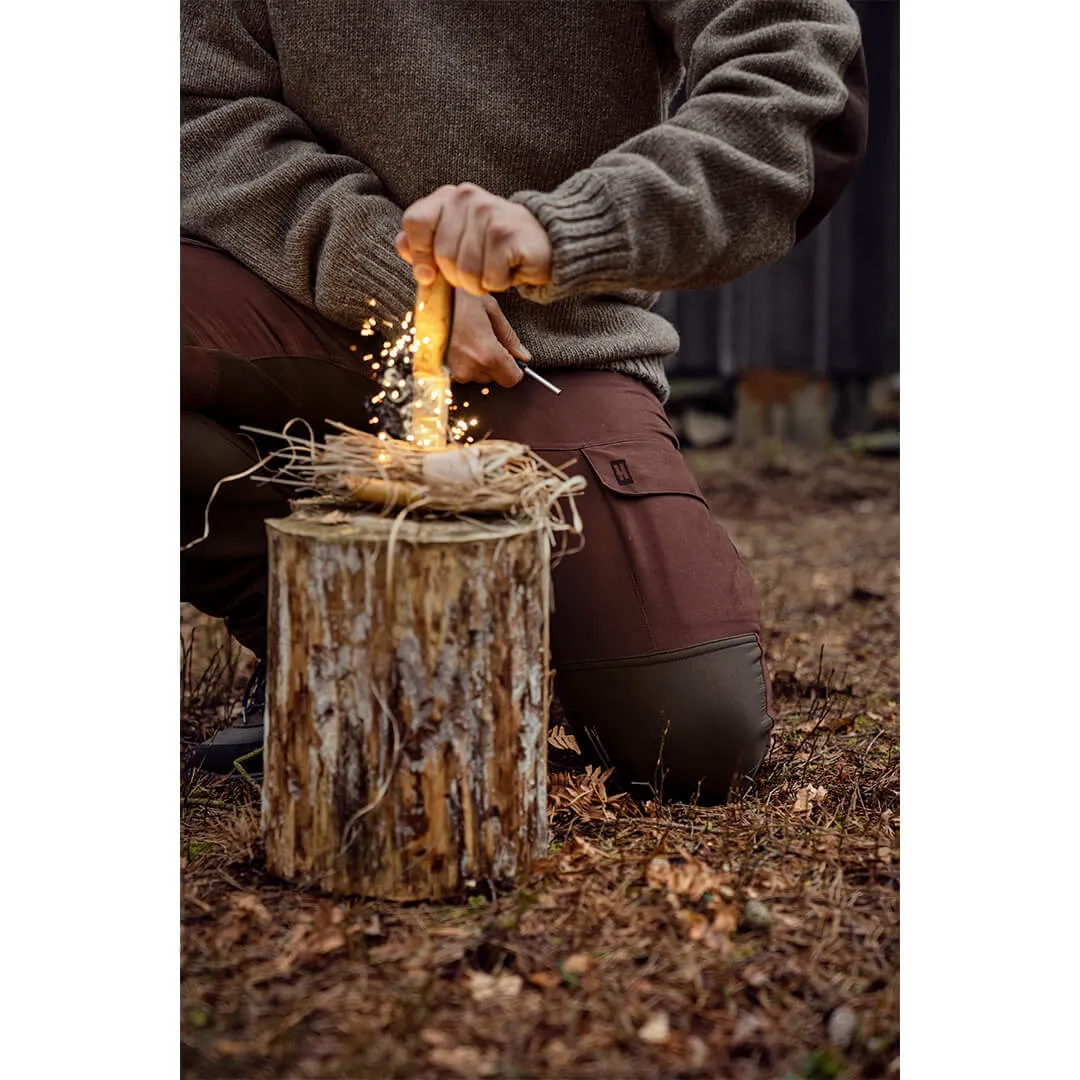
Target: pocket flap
x,y
642,467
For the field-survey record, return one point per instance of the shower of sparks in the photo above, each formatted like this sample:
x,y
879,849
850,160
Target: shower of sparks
x,y
392,370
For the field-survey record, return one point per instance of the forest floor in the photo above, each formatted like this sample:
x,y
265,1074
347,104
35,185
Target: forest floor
x,y
755,940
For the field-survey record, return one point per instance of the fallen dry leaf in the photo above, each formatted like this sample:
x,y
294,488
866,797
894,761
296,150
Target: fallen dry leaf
x,y
807,796
585,796
546,980
747,1029
252,905
696,1051
712,933
754,976
686,877
578,964
464,1060
656,1029
485,987
696,922
562,739
558,1054
330,940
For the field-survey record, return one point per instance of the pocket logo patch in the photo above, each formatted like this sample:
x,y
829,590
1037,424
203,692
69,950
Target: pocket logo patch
x,y
622,472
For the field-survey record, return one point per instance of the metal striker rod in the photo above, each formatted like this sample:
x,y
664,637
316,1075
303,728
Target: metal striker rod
x,y
539,378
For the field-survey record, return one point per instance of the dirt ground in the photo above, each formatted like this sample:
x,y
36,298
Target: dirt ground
x,y
755,940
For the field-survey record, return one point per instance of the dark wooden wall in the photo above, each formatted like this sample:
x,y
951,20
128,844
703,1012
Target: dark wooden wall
x,y
831,307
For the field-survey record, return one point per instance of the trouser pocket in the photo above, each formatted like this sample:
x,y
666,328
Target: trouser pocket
x,y
657,571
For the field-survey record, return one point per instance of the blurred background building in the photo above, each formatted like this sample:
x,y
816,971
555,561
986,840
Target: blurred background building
x,y
807,350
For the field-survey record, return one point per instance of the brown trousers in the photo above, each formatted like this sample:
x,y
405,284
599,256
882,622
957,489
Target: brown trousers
x,y
655,625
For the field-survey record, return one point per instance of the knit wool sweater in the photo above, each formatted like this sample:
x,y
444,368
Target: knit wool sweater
x,y
308,126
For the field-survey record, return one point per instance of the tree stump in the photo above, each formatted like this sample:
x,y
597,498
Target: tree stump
x,y
407,703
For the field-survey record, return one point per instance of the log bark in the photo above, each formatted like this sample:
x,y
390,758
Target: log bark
x,y
407,704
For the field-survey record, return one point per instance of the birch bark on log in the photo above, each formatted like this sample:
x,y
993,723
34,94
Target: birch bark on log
x,y
437,650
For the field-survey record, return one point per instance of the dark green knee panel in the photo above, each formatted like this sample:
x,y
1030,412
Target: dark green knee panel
x,y
696,717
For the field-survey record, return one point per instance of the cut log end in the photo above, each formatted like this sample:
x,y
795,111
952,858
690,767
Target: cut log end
x,y
407,704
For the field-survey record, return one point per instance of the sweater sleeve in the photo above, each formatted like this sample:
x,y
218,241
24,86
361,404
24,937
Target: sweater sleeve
x,y
256,183
770,134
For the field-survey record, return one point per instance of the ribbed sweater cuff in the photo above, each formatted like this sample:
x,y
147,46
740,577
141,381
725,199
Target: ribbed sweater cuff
x,y
590,243
384,271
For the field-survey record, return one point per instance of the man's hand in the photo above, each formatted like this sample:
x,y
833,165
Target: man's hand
x,y
481,243
482,343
